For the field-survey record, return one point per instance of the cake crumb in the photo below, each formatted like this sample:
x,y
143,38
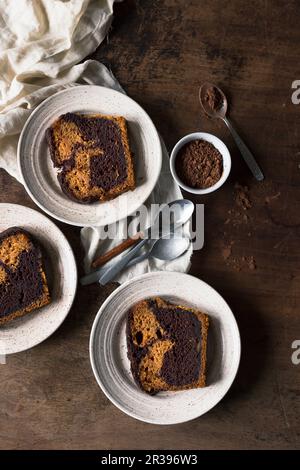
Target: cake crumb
x,y
242,198
269,199
237,217
251,263
226,252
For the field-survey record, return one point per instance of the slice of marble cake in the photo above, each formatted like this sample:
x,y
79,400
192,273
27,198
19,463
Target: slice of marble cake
x,y
23,283
167,346
93,155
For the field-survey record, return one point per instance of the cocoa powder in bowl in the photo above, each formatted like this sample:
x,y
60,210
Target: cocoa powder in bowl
x,y
199,164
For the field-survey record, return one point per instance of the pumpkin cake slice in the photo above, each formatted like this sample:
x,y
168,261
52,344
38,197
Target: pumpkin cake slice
x,y
167,346
23,284
93,155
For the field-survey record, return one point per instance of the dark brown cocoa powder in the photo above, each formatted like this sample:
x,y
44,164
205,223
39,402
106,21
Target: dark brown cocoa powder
x,y
213,98
199,164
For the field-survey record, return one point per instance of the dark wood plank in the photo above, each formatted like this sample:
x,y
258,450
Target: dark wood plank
x,y
161,52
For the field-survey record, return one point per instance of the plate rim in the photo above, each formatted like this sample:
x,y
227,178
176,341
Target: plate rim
x,y
75,276
98,378
22,137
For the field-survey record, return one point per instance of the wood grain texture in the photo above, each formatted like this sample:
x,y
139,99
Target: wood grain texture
x,y
161,51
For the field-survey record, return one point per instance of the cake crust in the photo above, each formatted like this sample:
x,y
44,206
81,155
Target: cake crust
x,y
23,283
93,156
167,345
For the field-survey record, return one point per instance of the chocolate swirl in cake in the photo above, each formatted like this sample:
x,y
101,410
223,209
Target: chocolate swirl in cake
x,y
109,170
181,363
166,345
23,285
93,155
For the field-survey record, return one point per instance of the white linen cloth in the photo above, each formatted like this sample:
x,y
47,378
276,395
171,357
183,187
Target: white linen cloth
x,y
41,42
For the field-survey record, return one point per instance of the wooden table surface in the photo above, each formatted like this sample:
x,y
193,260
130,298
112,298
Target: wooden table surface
x,y
161,51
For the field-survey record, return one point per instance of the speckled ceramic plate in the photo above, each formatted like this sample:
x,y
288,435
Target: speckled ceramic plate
x,y
30,330
40,177
108,351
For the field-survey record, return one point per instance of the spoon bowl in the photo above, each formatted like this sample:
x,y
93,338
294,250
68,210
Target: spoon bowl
x,y
167,249
164,249
206,98
172,215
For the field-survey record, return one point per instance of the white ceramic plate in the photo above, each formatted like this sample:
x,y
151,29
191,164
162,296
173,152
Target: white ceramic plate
x,y
108,351
40,177
30,330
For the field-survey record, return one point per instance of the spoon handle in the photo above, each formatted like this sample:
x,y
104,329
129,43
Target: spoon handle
x,y
110,273
138,259
246,154
93,277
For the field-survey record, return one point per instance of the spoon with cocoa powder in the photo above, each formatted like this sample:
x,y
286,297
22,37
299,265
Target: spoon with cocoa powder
x,y
214,104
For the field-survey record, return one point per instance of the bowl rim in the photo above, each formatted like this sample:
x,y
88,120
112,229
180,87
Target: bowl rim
x,y
220,145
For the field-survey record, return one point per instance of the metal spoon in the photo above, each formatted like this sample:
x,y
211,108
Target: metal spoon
x,y
179,211
220,112
165,249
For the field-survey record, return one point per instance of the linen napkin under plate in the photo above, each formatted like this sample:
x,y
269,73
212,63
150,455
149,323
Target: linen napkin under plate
x,y
39,50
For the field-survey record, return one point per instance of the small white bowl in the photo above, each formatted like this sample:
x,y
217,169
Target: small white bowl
x,y
219,146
